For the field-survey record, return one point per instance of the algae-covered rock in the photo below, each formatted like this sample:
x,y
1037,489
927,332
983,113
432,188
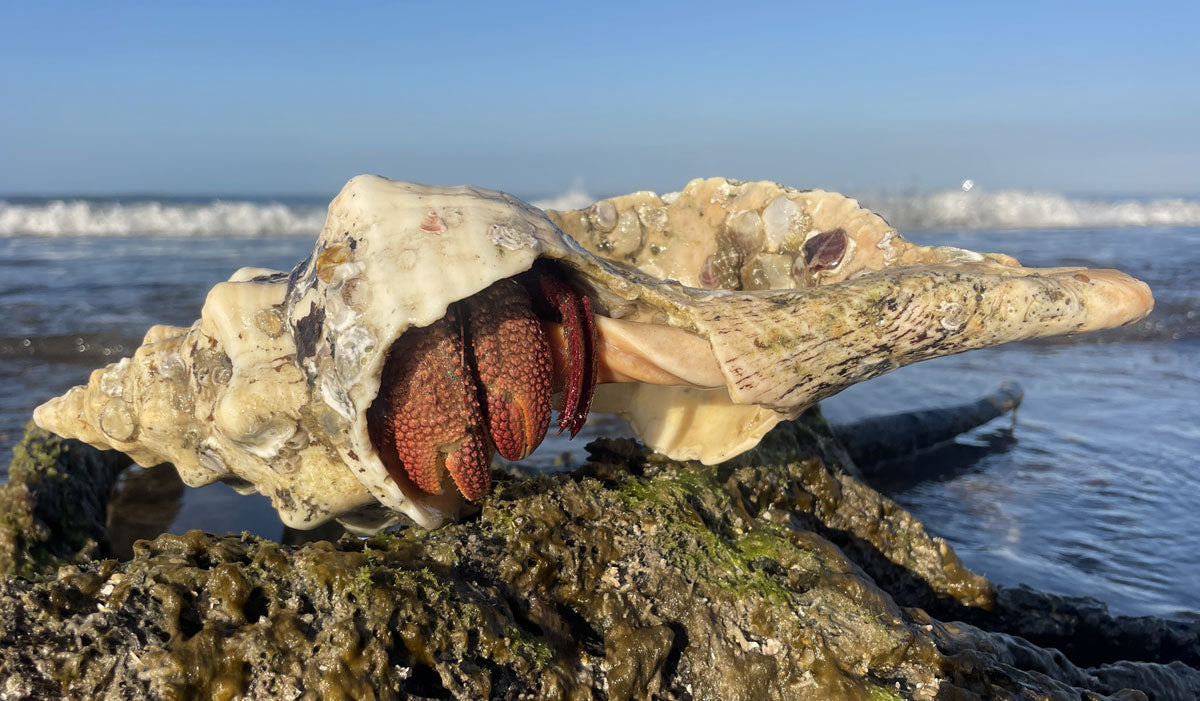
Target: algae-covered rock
x,y
780,575
52,509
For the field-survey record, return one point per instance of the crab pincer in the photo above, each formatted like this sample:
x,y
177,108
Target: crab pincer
x,y
574,311
479,381
513,366
427,416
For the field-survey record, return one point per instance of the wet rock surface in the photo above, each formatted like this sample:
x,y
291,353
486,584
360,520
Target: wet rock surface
x,y
53,508
777,575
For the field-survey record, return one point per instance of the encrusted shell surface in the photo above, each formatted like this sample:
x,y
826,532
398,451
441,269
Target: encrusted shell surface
x,y
724,234
797,293
271,385
719,233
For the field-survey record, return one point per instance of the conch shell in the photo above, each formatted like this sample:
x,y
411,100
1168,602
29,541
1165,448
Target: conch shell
x,y
754,301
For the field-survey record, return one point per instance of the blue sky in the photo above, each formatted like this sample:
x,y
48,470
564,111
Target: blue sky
x,y
273,98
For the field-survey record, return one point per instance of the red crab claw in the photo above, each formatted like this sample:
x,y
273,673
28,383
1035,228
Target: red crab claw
x,y
482,377
513,365
427,416
582,358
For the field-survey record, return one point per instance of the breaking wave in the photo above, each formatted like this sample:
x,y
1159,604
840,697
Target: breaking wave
x,y
1013,209
84,217
951,209
1003,209
575,198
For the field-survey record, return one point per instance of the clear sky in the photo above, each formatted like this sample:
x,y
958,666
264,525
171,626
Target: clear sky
x,y
275,98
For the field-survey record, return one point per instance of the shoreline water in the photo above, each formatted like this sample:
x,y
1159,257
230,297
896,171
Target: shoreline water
x,y
174,216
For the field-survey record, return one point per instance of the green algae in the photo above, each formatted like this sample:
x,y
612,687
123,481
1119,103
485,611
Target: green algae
x,y
879,693
52,509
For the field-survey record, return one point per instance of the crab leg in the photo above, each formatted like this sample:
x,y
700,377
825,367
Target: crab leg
x,y
427,415
579,333
513,366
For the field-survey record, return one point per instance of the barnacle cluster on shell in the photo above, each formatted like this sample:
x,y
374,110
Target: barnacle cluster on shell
x,y
754,301
719,233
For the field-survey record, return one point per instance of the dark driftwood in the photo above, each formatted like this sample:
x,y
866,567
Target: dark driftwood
x,y
882,446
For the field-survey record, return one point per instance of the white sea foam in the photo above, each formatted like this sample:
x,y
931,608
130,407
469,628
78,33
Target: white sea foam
x,y
575,198
1014,209
971,208
105,218
951,209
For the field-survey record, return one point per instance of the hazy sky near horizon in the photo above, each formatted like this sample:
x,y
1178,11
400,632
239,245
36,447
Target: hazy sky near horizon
x,y
276,98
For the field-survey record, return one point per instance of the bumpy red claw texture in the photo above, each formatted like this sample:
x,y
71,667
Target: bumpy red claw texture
x,y
427,415
479,381
513,364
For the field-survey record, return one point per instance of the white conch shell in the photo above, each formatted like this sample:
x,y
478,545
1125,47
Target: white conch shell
x,y
900,302
270,387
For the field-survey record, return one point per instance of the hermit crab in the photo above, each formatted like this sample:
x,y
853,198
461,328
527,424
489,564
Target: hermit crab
x,y
430,327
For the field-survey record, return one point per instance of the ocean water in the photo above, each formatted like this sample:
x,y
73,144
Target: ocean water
x,y
1094,490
